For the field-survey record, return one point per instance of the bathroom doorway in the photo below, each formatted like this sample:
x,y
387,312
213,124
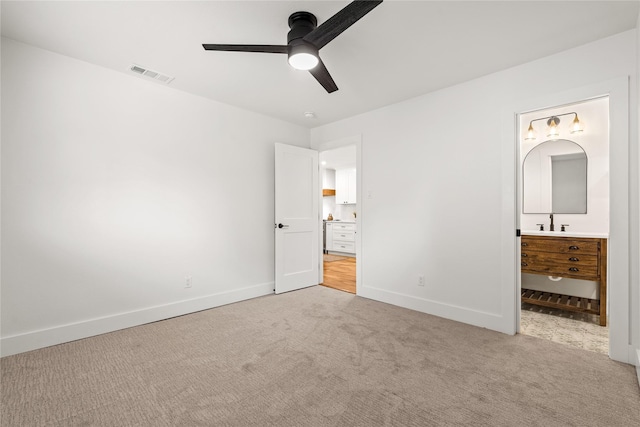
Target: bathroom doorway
x,y
564,221
338,173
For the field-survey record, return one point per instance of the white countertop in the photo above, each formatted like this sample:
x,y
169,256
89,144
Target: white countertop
x,y
564,234
350,221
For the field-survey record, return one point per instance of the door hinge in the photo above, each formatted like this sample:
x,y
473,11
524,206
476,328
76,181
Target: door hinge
x,y
517,232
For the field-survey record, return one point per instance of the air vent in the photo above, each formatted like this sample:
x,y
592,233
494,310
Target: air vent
x,y
163,78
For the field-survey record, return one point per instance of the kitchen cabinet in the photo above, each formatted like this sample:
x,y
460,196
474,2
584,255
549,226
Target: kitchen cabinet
x,y
328,236
341,237
346,186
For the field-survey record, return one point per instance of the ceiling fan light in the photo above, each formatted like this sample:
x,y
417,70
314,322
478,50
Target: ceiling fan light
x,y
303,61
303,56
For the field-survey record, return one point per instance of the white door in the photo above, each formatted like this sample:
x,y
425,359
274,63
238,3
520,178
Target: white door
x,y
297,219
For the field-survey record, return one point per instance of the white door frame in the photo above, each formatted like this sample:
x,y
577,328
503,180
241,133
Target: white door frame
x,y
620,342
331,145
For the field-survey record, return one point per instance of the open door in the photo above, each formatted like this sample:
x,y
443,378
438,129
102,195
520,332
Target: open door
x,y
296,216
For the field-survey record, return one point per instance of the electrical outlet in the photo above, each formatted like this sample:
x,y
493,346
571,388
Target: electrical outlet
x,y
421,280
187,282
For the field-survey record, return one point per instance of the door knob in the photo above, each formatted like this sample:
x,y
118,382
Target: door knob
x,y
281,225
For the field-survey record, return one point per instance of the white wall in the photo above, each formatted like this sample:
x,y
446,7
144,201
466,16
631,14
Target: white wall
x,y
338,210
448,162
114,189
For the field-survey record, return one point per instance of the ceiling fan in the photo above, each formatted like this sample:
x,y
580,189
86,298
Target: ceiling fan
x,y
305,39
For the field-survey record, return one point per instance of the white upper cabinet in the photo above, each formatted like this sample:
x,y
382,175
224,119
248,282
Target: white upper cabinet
x,y
329,179
346,186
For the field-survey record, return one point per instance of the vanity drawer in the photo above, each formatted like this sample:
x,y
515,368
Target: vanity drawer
x,y
565,245
577,266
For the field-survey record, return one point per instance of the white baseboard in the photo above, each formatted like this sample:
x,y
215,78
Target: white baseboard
x,y
65,333
481,319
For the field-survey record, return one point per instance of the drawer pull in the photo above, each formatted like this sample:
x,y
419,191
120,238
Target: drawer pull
x,y
574,269
573,248
524,255
524,264
574,259
524,244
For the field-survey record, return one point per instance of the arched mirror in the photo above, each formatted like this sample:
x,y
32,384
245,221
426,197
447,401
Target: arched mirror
x,y
554,178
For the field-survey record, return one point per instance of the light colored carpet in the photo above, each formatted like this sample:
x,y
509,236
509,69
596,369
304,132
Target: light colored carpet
x,y
315,357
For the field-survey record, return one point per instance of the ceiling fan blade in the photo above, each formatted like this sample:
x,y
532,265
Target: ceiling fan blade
x,y
265,48
323,77
339,22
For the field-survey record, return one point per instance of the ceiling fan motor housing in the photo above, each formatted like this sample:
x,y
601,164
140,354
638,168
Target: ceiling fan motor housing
x,y
301,24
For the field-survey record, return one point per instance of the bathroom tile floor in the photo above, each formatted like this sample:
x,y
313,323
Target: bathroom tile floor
x,y
578,330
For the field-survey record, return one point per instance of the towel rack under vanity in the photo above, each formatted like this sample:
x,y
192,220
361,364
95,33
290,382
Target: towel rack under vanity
x,y
571,257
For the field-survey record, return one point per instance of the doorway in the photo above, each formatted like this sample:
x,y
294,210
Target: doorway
x,y
340,225
563,293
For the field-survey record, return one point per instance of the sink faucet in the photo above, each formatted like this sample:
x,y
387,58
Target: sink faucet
x,y
551,226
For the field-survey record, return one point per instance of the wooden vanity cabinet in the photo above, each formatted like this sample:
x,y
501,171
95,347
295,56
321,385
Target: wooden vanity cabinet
x,y
571,257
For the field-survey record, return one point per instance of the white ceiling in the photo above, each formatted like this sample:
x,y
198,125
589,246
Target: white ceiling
x,y
400,50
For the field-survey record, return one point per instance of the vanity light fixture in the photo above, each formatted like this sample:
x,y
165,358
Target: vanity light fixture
x,y
552,123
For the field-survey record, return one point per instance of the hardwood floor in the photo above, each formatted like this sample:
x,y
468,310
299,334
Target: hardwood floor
x,y
341,275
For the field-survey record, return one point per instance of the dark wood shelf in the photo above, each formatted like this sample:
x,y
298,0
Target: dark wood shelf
x,y
564,302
